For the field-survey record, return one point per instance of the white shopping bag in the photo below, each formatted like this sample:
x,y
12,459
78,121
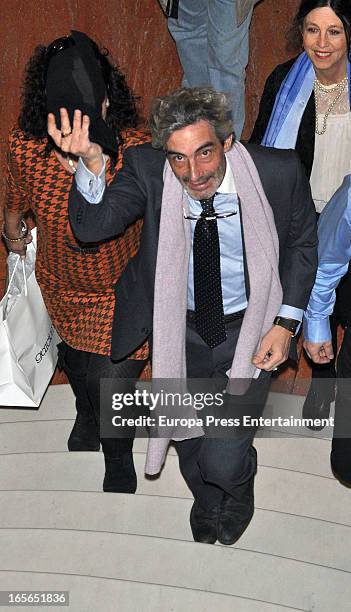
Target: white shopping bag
x,y
28,340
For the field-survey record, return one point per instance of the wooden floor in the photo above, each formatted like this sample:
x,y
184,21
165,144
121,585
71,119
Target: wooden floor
x,y
134,553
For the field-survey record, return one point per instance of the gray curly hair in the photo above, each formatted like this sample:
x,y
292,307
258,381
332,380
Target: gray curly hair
x,y
187,106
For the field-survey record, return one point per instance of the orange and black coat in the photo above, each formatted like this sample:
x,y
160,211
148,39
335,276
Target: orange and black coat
x,y
77,280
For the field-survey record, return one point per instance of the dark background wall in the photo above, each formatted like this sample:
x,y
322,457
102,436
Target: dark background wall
x,y
135,32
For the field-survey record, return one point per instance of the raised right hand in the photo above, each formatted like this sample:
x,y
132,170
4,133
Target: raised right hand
x,y
75,139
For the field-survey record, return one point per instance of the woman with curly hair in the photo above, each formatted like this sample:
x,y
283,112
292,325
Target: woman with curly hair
x,y
77,280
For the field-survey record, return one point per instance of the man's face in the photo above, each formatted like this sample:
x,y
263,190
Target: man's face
x,y
197,158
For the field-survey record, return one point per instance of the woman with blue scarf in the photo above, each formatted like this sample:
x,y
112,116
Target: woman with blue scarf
x,y
306,106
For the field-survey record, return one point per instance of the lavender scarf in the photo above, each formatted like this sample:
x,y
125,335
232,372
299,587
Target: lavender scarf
x,y
170,300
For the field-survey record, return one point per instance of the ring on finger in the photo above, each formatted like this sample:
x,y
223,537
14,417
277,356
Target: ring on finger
x,y
65,134
274,369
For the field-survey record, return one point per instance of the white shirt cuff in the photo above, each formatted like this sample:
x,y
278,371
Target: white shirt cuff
x,y
90,186
316,331
290,312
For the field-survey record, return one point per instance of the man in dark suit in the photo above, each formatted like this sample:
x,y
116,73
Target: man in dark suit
x,y
221,281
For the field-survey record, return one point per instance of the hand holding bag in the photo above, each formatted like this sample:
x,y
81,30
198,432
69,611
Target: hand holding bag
x,y
28,340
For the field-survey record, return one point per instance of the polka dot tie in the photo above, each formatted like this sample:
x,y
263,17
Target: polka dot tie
x,y
209,315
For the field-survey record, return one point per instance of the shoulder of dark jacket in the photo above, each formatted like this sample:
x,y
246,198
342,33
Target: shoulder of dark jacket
x,y
271,155
144,156
281,70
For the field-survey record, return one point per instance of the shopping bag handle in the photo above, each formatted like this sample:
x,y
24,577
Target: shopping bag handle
x,y
13,274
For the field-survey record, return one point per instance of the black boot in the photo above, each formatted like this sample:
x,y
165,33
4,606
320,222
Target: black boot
x,y
203,523
120,475
317,403
340,459
236,513
84,435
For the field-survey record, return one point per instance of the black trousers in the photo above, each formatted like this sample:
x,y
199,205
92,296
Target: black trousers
x,y
84,371
211,466
341,444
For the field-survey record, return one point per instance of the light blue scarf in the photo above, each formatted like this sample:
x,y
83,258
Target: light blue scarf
x,y
290,104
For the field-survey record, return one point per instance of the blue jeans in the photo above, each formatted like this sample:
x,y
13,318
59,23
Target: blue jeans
x,y
213,50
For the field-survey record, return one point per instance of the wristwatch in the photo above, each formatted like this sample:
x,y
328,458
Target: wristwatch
x,y
290,324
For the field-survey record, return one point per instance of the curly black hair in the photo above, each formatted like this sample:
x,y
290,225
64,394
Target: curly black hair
x,y
121,113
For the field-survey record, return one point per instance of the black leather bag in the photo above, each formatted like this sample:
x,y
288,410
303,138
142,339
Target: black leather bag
x,y
170,7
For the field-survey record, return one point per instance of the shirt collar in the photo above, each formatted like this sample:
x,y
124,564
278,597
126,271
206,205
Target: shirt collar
x,y
228,183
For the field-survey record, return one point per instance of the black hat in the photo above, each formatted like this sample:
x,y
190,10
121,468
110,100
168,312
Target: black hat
x,y
74,80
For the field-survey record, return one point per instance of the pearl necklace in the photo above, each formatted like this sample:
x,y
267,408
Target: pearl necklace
x,y
318,87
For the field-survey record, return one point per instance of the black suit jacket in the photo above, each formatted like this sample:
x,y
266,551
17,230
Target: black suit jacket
x,y
136,192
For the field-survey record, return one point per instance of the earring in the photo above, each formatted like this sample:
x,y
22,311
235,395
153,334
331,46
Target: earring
x,y
107,102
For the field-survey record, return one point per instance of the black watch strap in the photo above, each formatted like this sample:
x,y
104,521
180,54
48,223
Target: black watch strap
x,y
290,324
